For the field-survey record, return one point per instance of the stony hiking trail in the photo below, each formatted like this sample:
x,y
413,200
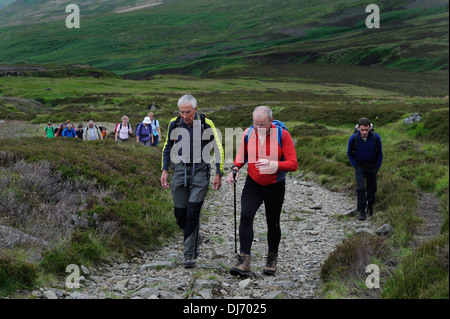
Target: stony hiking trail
x,y
429,210
311,229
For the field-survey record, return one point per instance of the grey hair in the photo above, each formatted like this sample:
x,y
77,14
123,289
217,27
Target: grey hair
x,y
263,109
187,99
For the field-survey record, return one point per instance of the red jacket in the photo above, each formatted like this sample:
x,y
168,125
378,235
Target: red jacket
x,y
255,150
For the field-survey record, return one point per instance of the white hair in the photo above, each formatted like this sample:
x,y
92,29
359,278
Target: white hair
x,y
187,99
263,109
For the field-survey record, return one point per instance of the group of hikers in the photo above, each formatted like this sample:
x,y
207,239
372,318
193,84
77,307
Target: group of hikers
x,y
268,149
147,132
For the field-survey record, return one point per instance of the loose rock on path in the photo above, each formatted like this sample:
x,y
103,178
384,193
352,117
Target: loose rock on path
x,y
312,224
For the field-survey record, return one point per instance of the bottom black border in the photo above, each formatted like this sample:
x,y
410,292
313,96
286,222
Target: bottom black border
x,y
223,308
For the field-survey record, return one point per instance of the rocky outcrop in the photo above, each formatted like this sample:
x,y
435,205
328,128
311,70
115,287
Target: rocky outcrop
x,y
413,118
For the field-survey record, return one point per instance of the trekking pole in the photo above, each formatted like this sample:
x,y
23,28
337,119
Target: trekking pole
x,y
235,227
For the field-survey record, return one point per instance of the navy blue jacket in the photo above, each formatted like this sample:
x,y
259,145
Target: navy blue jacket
x,y
365,153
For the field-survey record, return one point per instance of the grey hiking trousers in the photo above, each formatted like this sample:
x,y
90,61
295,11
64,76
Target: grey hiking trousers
x,y
189,188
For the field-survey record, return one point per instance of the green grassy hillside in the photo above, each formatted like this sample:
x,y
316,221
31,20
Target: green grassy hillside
x,y
36,11
4,3
201,36
335,95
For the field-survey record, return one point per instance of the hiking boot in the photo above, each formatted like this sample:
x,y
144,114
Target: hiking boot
x,y
370,211
362,215
189,261
271,264
242,268
199,242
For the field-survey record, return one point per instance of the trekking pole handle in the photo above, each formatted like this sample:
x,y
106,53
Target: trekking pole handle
x,y
234,175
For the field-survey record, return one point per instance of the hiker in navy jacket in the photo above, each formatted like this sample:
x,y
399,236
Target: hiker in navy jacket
x,y
366,155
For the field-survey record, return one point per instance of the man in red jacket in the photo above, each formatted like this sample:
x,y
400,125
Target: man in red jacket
x,y
269,157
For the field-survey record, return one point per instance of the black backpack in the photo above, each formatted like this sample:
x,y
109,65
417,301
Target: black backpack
x,y
202,117
355,139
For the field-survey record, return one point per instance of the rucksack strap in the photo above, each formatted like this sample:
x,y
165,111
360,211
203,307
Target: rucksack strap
x,y
355,142
121,124
279,135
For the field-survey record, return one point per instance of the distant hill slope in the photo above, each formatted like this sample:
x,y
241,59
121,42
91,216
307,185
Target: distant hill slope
x,y
202,36
29,12
4,3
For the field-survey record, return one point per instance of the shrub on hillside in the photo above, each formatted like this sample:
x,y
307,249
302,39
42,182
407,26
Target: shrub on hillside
x,y
37,201
423,274
353,255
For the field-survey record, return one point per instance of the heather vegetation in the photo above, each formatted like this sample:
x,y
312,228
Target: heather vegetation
x,y
79,203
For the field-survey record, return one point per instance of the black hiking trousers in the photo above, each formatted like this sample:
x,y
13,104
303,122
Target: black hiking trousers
x,y
253,195
366,185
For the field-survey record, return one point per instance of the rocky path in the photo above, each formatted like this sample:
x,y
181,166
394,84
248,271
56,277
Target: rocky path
x,y
429,210
312,224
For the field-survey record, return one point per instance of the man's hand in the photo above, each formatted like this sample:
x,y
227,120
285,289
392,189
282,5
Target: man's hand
x,y
163,179
266,166
232,179
217,182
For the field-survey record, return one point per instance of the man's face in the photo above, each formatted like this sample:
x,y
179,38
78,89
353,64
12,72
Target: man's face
x,y
187,113
91,125
364,131
262,123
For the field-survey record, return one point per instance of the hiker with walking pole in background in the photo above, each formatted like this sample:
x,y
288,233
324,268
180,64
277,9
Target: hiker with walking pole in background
x,y
187,136
366,155
269,150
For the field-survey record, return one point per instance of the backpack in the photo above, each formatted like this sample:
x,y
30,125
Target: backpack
x,y
280,128
136,128
356,130
139,129
119,125
202,117
355,139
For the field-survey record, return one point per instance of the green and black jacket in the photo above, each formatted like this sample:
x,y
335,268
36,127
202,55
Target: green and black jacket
x,y
202,132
